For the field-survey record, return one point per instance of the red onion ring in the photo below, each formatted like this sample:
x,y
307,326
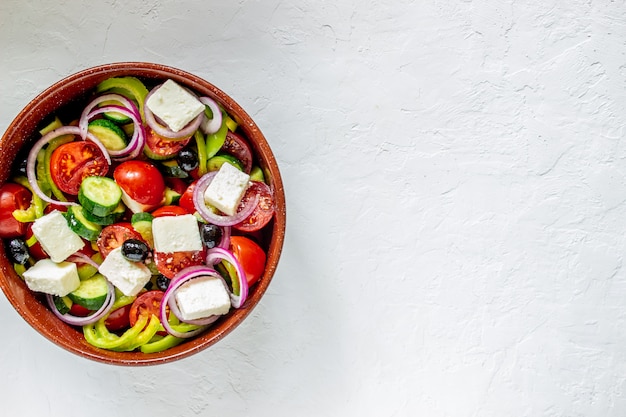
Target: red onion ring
x,y
225,241
216,254
83,321
137,141
210,126
127,103
80,257
208,215
31,162
179,279
164,131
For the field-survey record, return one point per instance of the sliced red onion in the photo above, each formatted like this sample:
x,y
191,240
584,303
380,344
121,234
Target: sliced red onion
x,y
31,162
83,321
137,141
80,257
217,254
225,241
168,300
127,103
207,214
165,131
210,126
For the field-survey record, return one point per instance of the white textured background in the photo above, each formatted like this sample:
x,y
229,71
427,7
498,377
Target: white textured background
x,y
456,205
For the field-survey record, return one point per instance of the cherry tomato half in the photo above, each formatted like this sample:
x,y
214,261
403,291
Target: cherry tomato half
x,y
186,199
161,148
146,304
237,147
250,255
71,162
264,210
79,311
13,197
114,235
169,211
169,264
141,181
118,319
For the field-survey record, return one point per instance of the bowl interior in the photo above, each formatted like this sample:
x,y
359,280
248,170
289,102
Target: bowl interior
x,y
71,92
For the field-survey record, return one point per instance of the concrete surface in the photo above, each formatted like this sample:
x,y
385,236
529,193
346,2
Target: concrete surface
x,y
456,206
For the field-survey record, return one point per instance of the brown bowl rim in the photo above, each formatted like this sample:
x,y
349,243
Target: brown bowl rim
x,y
74,87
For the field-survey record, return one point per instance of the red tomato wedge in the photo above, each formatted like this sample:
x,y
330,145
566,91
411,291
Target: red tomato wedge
x,y
13,197
264,210
113,236
251,257
237,147
169,264
72,162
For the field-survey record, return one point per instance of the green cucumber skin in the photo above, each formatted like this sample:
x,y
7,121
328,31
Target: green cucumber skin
x,y
99,195
80,225
91,293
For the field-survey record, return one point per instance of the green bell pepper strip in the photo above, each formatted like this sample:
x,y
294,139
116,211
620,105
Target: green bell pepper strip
x,y
201,147
215,141
97,334
148,332
168,341
129,87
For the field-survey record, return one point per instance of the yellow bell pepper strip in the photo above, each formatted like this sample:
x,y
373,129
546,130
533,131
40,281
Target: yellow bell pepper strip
x,y
35,210
232,125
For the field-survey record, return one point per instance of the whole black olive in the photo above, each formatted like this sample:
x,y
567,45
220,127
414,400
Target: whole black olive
x,y
18,251
210,235
187,159
135,250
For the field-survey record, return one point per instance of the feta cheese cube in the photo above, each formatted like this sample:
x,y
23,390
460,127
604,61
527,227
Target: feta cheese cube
x,y
174,105
227,189
56,237
202,297
129,277
176,234
53,278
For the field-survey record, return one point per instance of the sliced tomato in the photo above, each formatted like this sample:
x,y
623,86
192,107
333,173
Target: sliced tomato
x,y
146,304
236,146
176,184
71,162
118,319
170,263
114,235
160,148
186,199
13,197
169,211
263,212
251,257
141,181
79,311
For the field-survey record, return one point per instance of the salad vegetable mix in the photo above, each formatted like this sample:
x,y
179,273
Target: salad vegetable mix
x,y
142,218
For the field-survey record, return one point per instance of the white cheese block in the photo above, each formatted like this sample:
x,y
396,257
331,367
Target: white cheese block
x,y
202,297
53,278
227,189
174,105
56,237
129,277
176,234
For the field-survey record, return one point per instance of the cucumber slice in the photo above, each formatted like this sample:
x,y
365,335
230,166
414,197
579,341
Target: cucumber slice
x,y
111,135
216,162
173,170
117,214
142,223
171,197
130,87
117,118
100,196
63,304
80,225
91,293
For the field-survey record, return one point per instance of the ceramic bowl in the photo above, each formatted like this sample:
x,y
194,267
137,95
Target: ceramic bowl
x,y
72,90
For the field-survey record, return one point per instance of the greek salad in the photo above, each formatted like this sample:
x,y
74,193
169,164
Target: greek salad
x,y
140,218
